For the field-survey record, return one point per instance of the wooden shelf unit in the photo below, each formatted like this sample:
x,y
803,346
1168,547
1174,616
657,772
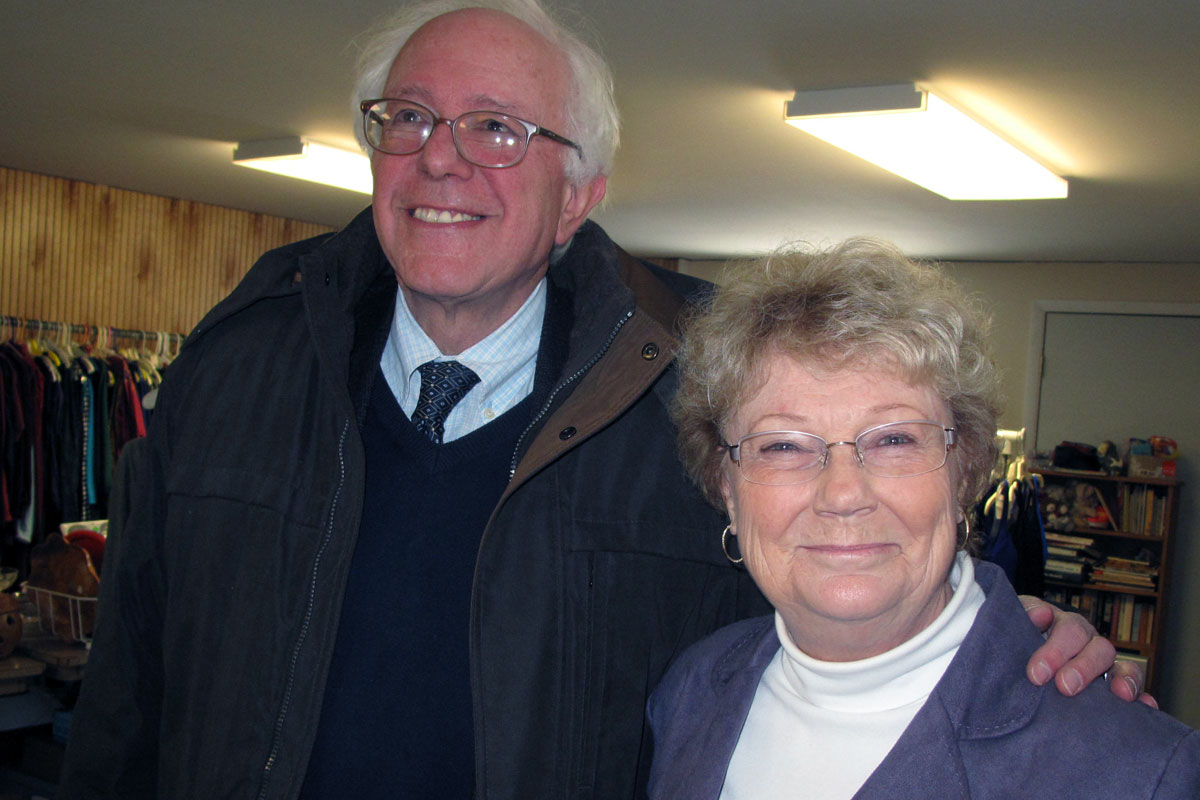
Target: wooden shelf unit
x,y
1144,513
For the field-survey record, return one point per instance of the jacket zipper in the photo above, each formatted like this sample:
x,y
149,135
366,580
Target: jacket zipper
x,y
285,706
513,470
512,467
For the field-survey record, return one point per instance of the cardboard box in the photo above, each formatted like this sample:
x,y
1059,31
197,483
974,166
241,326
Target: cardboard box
x,y
1146,466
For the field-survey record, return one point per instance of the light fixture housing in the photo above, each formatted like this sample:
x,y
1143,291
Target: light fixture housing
x,y
922,138
297,157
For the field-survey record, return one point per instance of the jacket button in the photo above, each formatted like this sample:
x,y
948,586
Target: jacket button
x,y
567,432
650,351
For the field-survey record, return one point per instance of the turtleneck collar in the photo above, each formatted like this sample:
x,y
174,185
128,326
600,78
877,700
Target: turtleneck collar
x,y
901,676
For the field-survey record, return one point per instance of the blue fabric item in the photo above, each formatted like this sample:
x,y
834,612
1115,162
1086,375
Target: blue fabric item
x,y
1010,534
984,732
89,443
999,548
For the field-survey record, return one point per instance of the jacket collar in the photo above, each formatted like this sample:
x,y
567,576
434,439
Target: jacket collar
x,y
623,337
979,704
349,292
978,698
607,284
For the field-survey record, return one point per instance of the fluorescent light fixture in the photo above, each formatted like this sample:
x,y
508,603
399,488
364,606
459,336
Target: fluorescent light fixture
x,y
923,139
310,161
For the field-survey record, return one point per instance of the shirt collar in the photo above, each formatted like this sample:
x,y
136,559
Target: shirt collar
x,y
504,360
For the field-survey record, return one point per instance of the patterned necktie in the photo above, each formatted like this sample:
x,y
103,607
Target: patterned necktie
x,y
443,384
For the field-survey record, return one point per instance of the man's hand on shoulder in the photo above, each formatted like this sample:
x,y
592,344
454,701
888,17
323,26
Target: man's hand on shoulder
x,y
1074,655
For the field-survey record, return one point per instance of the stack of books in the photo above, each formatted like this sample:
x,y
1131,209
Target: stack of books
x,y
1070,558
1126,572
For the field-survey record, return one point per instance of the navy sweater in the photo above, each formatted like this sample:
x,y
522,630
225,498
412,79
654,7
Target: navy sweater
x,y
396,720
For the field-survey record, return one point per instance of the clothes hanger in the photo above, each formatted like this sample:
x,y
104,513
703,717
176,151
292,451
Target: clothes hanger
x,y
994,506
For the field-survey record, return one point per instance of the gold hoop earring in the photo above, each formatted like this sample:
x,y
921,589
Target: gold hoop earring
x,y
725,534
964,538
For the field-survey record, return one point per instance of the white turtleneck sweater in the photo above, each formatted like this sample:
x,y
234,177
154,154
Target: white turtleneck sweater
x,y
820,728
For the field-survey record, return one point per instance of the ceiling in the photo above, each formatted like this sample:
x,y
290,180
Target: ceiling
x,y
152,96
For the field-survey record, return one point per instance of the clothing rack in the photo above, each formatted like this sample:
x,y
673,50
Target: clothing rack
x,y
1011,462
18,327
72,396
1008,518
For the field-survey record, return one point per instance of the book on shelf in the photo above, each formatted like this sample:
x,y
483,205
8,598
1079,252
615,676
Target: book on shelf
x,y
1135,620
1120,617
1126,572
1125,621
1060,539
1143,510
1140,660
1070,558
1067,571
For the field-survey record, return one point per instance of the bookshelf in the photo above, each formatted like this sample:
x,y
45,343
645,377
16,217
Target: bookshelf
x,y
1108,540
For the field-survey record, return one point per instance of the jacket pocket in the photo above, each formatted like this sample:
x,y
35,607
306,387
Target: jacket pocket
x,y
300,498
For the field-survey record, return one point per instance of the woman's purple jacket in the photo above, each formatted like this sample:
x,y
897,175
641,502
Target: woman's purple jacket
x,y
984,732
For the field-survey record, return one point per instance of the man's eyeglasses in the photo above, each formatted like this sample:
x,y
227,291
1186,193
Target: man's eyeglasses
x,y
895,450
484,138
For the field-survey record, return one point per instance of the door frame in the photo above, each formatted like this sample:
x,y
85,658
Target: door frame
x,y
1037,341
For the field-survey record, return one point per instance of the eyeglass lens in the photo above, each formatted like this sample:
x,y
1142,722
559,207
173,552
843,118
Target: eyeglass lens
x,y
485,138
895,450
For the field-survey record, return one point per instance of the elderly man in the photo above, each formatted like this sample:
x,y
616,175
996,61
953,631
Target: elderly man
x,y
409,522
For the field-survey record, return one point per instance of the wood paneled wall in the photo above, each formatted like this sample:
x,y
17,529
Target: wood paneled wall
x,y
85,254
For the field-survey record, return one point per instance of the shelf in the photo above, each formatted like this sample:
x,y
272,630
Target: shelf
x,y
1110,588
1104,532
1102,476
1152,503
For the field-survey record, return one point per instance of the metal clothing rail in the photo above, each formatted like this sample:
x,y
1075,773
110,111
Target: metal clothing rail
x,y
15,327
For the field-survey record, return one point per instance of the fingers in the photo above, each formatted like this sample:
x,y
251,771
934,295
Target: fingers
x,y
1091,663
1040,612
1126,681
1073,654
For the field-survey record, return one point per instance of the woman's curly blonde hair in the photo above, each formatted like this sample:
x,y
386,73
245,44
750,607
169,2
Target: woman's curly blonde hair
x,y
861,302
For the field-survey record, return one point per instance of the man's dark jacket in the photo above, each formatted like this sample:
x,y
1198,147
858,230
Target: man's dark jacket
x,y
235,522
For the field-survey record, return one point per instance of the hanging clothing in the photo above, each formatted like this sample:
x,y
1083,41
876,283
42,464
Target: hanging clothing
x,y
1010,533
66,413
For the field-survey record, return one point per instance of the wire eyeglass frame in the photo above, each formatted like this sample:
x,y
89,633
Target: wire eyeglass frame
x,y
804,473
375,120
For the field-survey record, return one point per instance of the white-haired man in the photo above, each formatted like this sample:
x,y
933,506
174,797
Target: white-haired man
x,y
410,521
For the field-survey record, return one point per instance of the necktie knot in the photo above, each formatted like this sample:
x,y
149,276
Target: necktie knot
x,y
443,384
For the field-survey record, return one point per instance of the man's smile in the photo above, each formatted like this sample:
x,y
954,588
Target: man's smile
x,y
442,216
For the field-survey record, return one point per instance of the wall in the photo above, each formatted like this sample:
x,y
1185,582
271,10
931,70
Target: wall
x,y
84,254
1011,288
